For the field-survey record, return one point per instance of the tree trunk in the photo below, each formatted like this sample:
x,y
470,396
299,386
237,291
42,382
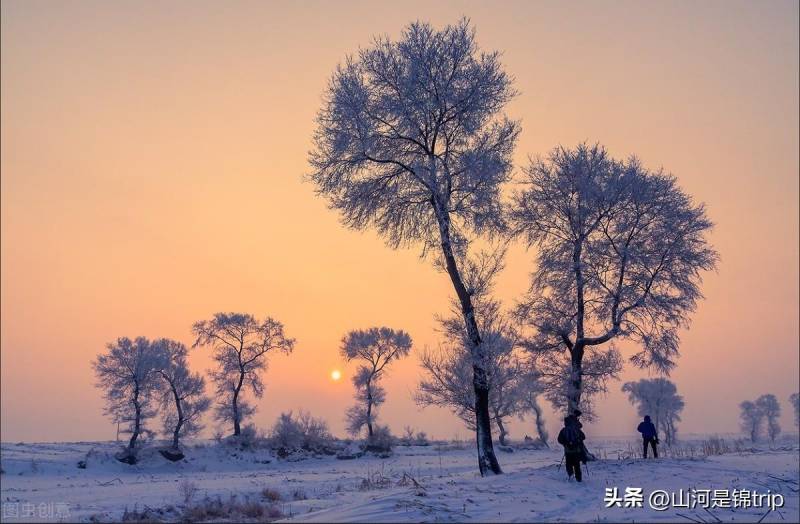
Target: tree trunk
x,y
175,435
502,429
237,429
576,380
540,429
136,419
576,388
487,461
576,351
369,410
179,410
658,425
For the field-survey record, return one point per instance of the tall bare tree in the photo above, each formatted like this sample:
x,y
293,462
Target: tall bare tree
x,y
183,400
794,399
377,347
621,250
241,345
411,140
128,374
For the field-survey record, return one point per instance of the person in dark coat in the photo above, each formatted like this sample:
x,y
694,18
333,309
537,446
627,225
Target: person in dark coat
x,y
574,418
571,437
649,435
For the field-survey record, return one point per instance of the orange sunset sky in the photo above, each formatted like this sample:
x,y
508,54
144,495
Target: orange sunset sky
x,y
152,163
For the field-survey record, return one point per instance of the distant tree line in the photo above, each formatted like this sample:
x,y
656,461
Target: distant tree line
x,y
763,413
141,378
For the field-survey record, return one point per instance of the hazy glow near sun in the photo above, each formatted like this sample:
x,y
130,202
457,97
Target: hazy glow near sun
x,y
336,374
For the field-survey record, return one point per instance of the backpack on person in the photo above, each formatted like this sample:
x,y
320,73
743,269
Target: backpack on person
x,y
573,443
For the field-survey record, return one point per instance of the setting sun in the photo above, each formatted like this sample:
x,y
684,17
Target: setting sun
x,y
336,374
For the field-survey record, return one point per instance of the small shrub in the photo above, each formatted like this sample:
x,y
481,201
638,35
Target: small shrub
x,y
299,494
455,445
207,509
274,512
301,432
741,445
381,440
146,515
187,490
680,451
409,480
137,516
271,494
409,438
231,510
249,437
350,451
374,480
715,446
286,433
252,510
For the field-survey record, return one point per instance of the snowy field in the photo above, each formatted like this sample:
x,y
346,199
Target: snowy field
x,y
41,482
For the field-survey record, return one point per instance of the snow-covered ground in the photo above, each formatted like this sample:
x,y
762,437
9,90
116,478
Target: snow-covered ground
x,y
431,483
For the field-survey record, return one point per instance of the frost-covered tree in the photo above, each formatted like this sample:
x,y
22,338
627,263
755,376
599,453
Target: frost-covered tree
x,y
412,140
300,431
621,250
531,403
241,345
752,419
554,369
448,383
376,347
657,397
513,387
183,400
771,408
794,398
128,375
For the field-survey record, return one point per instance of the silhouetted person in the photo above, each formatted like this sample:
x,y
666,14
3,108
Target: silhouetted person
x,y
649,436
571,437
574,418
585,455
